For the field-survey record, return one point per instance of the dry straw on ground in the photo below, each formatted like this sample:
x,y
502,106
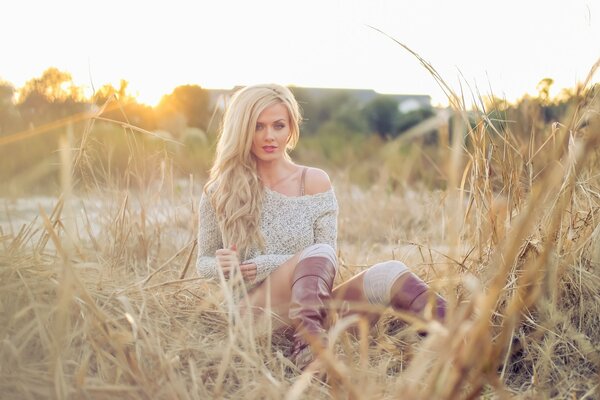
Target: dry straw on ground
x,y
99,299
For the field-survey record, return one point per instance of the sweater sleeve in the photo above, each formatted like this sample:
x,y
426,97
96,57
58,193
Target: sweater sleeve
x,y
209,240
325,225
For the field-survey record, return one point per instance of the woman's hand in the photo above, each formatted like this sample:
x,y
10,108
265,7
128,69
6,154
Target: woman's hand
x,y
248,272
227,260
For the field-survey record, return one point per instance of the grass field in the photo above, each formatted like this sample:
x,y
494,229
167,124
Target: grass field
x,y
99,298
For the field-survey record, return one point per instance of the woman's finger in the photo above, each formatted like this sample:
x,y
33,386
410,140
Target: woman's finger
x,y
227,263
248,269
227,260
226,255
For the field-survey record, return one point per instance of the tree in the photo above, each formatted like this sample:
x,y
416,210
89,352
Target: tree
x,y
50,97
309,109
543,88
342,109
128,109
9,115
407,120
382,114
190,101
53,86
107,91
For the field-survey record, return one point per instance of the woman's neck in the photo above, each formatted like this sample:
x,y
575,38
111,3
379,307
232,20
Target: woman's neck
x,y
274,172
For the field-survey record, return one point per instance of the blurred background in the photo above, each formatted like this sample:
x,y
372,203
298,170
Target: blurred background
x,y
129,78
363,136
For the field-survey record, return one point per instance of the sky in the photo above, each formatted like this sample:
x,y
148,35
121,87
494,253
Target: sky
x,y
500,47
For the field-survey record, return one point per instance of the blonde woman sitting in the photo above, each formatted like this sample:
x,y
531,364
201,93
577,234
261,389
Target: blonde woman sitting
x,y
273,220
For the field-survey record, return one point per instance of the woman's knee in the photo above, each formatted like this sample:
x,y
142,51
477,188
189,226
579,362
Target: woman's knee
x,y
319,250
379,279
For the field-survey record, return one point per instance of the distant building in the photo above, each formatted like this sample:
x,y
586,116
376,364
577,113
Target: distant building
x,y
412,101
406,102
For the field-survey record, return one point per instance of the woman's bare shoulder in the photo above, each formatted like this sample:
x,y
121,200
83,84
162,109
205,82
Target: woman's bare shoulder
x,y
316,181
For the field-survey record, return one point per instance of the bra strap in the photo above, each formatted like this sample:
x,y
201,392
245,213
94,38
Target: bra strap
x,y
302,179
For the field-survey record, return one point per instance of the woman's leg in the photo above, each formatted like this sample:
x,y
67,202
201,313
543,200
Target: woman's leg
x,y
299,291
392,284
275,291
410,293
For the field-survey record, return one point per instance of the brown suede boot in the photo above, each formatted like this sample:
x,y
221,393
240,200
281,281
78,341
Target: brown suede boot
x,y
311,289
410,293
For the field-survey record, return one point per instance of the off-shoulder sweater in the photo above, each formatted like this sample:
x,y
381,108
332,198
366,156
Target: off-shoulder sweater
x,y
288,224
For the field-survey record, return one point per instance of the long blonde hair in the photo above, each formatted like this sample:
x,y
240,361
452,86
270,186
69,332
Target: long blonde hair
x,y
233,187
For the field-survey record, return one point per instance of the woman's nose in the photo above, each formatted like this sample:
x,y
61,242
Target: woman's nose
x,y
269,134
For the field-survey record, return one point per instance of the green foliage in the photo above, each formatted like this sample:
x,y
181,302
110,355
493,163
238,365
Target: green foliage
x,y
309,109
10,119
543,88
121,106
53,86
335,148
196,155
50,97
405,121
108,91
335,132
532,114
339,108
382,115
188,103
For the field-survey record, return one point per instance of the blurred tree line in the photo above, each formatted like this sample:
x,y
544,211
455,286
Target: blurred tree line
x,y
342,112
54,96
536,113
33,117
338,129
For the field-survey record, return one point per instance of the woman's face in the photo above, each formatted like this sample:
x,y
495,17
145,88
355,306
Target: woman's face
x,y
272,133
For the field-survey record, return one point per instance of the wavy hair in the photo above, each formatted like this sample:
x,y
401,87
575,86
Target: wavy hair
x,y
233,187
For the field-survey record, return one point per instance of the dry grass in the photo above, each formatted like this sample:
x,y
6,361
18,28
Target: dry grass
x,y
98,296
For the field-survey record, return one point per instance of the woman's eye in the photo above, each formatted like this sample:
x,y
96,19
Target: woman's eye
x,y
259,127
280,126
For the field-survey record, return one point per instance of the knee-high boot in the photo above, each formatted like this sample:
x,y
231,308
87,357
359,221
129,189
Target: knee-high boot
x,y
410,293
311,289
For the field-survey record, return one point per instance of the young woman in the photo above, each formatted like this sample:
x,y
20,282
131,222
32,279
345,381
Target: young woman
x,y
269,219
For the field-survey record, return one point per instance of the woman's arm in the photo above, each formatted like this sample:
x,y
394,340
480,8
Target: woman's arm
x,y
325,225
209,240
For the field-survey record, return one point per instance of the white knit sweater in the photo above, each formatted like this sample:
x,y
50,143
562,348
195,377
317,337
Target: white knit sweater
x,y
288,224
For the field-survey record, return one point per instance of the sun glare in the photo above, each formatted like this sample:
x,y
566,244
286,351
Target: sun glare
x,y
148,95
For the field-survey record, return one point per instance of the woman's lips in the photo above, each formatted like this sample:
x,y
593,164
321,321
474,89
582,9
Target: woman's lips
x,y
269,149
